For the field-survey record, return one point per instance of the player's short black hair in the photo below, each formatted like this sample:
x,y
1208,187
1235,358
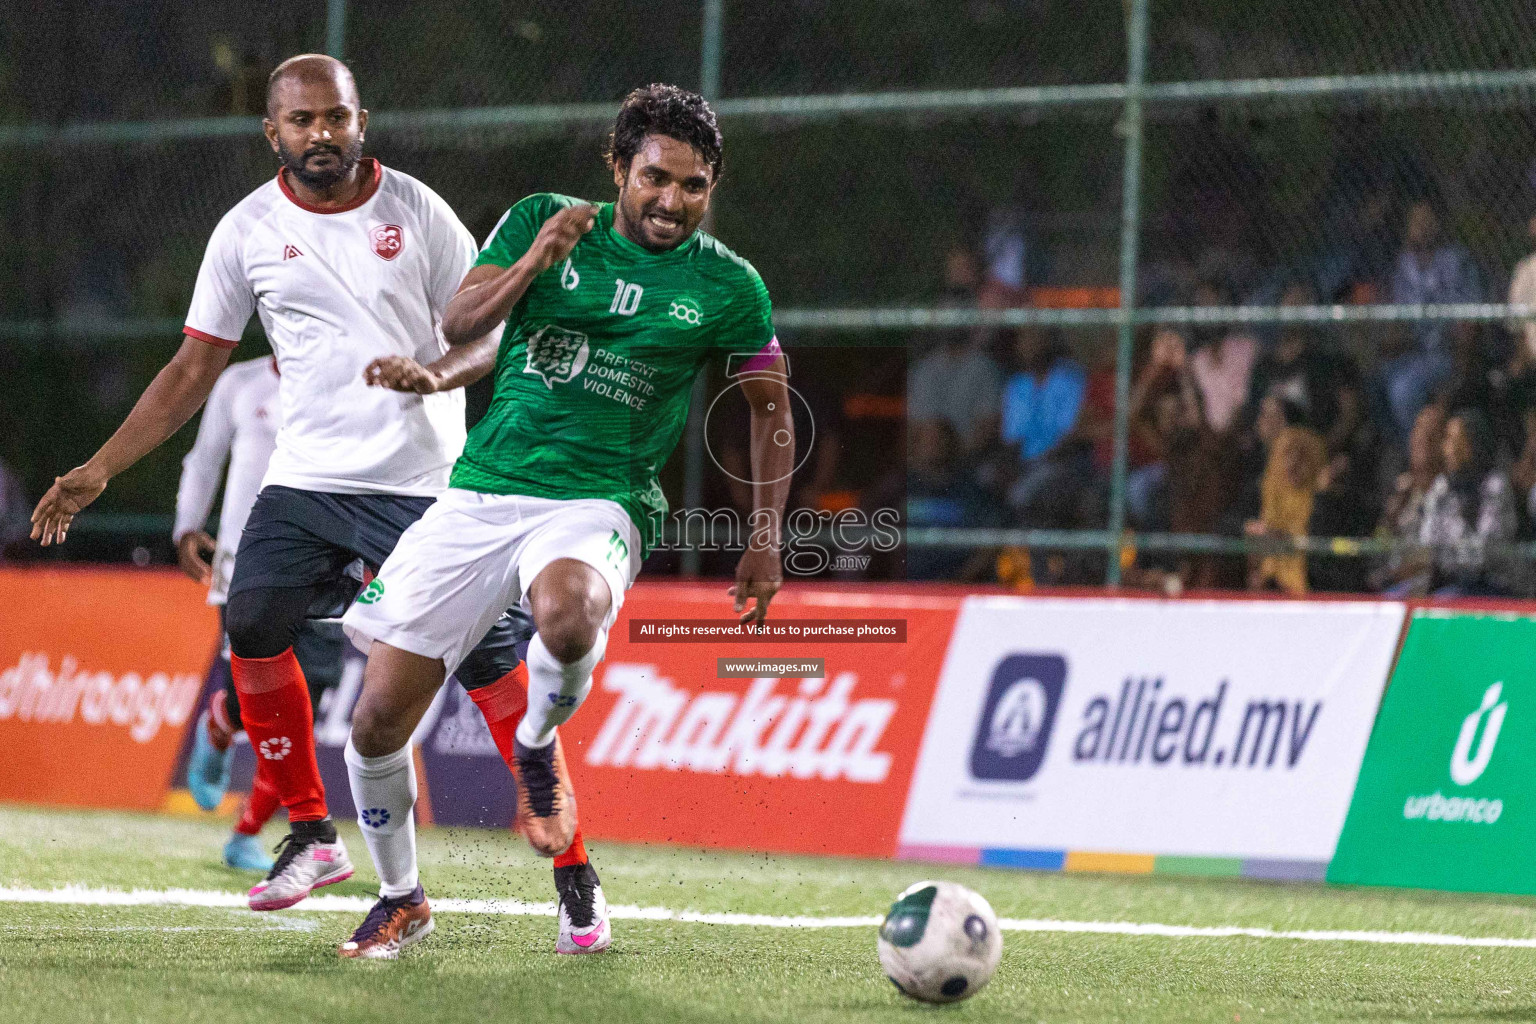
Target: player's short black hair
x,y
665,110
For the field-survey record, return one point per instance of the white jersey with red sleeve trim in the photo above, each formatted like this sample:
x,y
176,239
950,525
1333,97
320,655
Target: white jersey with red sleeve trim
x,y
239,423
336,289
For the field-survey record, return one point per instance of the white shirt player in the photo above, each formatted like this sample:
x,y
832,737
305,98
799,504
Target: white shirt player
x,y
239,422
336,289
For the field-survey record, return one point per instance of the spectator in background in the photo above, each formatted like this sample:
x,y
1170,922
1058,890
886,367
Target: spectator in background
x,y
1522,471
1429,270
15,510
959,384
1296,370
1252,454
1014,260
1289,488
958,381
1187,488
940,492
1510,397
1357,254
1470,506
1522,292
1165,420
1042,403
1407,574
1222,362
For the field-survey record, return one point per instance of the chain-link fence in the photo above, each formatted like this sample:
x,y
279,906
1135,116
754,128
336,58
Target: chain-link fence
x,y
1117,251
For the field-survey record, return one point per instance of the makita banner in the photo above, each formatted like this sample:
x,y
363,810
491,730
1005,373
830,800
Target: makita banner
x,y
100,671
1217,729
666,750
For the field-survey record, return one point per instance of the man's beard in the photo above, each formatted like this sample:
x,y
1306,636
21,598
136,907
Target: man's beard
x,y
320,181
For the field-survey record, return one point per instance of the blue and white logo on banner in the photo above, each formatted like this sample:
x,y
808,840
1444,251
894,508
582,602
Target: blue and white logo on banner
x,y
1016,720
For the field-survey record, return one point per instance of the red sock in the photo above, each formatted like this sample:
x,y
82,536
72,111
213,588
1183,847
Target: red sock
x,y
274,705
574,854
502,704
260,805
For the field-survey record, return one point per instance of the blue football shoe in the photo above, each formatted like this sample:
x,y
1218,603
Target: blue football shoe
x,y
208,768
244,853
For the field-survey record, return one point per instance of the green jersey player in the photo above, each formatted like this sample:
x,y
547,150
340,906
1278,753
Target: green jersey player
x,y
610,311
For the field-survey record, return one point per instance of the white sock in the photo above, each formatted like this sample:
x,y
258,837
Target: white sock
x,y
555,689
384,790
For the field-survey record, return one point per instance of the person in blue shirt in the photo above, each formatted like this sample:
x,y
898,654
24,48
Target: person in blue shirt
x,y
1429,270
1042,404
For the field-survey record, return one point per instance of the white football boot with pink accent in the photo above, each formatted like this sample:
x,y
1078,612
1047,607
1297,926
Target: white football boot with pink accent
x,y
583,911
303,865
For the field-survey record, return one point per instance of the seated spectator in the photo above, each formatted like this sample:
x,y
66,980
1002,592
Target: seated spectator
x,y
1223,361
1251,456
1290,484
1429,270
1297,370
1042,403
939,492
960,385
1357,251
15,510
1522,471
1013,259
1164,409
1187,487
1510,397
1096,425
1407,574
1470,506
1522,292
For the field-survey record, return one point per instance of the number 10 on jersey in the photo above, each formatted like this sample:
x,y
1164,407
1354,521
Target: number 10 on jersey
x,y
626,298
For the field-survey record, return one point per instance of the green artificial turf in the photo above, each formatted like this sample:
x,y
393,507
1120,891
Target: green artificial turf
x,y
63,963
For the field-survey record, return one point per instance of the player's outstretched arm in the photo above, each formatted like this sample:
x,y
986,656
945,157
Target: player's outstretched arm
x,y
177,392
488,293
760,572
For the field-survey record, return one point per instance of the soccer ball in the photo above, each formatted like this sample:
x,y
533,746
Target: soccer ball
x,y
940,943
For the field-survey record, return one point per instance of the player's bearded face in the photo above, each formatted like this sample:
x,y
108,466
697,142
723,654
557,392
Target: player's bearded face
x,y
663,193
322,164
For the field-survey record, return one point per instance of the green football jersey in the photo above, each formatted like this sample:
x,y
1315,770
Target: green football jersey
x,y
596,367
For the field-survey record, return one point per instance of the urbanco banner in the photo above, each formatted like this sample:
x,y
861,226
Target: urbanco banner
x,y
1445,797
1223,729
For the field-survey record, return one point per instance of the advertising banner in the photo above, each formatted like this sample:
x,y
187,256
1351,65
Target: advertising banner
x,y
1445,798
679,743
803,743
100,671
1117,732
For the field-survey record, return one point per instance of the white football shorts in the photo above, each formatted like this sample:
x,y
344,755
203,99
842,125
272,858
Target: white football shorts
x,y
472,556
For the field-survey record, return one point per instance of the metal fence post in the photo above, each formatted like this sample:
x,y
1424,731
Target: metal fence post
x,y
1130,237
693,446
335,27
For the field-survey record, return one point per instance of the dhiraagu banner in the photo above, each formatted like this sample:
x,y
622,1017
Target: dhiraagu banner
x,y
1447,793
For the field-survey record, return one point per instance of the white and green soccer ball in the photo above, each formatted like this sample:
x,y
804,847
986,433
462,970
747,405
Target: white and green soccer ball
x,y
940,942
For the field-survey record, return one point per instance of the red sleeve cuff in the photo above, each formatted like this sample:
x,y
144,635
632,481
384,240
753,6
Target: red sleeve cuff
x,y
193,332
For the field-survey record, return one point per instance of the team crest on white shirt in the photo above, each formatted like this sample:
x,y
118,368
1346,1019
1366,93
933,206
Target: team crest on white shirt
x,y
388,240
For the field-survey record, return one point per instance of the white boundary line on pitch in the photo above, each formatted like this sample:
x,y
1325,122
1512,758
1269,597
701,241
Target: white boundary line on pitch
x,y
75,895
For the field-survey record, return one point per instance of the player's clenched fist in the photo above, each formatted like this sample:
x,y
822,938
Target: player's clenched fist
x,y
402,373
559,235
